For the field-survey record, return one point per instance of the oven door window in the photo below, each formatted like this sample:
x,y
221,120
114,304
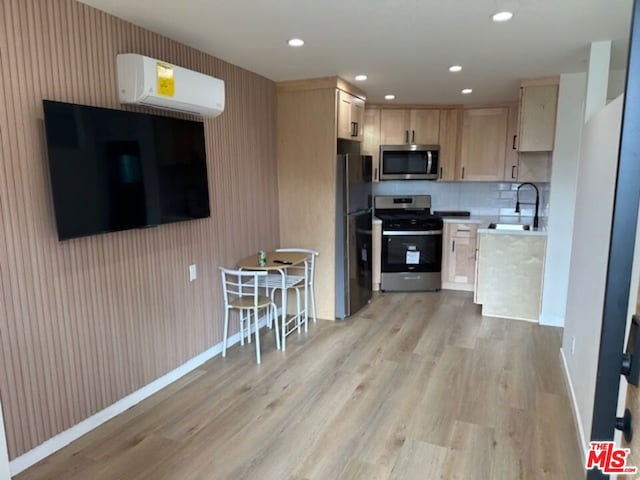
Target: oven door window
x,y
411,253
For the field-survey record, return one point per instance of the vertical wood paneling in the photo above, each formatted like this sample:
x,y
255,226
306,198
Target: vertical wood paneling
x,y
87,321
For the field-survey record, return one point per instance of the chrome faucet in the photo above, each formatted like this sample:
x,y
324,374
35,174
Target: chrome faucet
x,y
535,217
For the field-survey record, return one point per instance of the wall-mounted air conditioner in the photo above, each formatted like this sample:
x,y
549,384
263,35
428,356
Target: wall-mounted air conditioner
x,y
154,83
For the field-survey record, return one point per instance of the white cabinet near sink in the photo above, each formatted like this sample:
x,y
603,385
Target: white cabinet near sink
x,y
509,274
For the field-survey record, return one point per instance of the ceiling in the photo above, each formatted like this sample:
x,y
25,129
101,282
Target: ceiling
x,y
404,46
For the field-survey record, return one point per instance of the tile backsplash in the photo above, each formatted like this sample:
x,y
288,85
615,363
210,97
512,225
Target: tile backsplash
x,y
480,198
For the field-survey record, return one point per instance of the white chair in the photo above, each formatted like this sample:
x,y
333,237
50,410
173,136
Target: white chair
x,y
310,266
240,290
291,277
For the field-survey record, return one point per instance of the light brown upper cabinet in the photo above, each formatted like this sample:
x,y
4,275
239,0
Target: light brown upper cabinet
x,y
538,105
350,117
449,141
418,125
534,167
371,143
484,142
425,126
511,164
394,126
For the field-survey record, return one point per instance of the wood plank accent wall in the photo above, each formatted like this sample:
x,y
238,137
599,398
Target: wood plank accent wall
x,y
85,322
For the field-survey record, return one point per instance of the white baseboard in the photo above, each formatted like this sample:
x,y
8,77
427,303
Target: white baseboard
x,y
551,321
577,420
61,440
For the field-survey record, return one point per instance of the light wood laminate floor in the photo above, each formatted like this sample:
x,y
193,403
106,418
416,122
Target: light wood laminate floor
x,y
417,386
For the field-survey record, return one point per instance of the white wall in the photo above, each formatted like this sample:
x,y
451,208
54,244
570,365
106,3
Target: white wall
x,y
4,452
615,87
597,77
564,176
589,255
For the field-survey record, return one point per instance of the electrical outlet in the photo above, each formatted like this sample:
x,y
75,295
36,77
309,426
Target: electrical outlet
x,y
573,345
192,273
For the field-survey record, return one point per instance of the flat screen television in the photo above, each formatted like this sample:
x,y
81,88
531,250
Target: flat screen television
x,y
115,170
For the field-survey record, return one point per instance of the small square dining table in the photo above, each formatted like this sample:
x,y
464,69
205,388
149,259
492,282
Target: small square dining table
x,y
278,262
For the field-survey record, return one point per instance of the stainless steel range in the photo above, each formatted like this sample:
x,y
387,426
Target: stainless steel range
x,y
411,243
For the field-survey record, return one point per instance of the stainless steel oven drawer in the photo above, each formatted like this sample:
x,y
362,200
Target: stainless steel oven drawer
x,y
411,281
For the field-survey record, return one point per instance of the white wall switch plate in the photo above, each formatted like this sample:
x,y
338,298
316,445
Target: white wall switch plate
x,y
192,273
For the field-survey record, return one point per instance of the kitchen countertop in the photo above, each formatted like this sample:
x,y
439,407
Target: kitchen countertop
x,y
483,222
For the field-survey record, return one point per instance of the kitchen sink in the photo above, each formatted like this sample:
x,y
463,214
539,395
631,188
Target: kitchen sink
x,y
509,226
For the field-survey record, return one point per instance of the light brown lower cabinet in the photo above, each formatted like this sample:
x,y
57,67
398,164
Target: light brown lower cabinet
x,y
459,256
509,276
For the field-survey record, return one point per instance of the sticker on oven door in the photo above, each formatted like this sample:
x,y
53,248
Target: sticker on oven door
x,y
413,257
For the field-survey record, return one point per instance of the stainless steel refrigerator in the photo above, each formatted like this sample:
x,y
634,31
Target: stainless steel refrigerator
x,y
353,234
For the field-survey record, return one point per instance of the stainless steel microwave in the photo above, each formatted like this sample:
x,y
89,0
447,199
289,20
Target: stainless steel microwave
x,y
409,162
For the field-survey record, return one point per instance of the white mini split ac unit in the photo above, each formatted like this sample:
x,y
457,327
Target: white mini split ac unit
x,y
154,83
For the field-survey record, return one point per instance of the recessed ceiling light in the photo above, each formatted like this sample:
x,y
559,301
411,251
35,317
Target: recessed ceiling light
x,y
361,78
466,91
390,96
455,68
502,16
296,42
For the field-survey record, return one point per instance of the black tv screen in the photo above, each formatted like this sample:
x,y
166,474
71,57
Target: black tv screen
x,y
114,170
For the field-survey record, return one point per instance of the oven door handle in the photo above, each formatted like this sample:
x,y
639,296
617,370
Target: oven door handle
x,y
405,233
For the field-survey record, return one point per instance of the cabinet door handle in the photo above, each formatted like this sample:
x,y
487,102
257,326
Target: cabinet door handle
x,y
357,129
413,136
513,145
375,174
463,172
513,169
453,246
406,136
440,172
